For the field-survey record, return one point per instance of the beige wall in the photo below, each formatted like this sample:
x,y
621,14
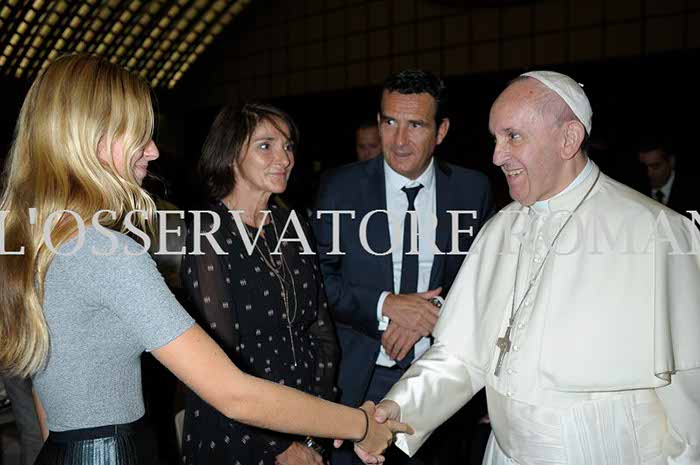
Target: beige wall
x,y
294,47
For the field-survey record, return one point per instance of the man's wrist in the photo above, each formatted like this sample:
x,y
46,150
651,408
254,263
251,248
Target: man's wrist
x,y
381,305
387,309
438,302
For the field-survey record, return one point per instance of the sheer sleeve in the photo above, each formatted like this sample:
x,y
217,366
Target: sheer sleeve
x,y
328,351
207,280
323,330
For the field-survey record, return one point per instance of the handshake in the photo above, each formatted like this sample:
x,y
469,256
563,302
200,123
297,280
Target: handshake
x,y
382,424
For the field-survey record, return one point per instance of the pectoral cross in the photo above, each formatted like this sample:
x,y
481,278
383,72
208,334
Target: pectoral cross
x,y
503,343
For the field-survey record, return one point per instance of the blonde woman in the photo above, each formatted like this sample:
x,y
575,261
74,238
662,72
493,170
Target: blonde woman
x,y
79,303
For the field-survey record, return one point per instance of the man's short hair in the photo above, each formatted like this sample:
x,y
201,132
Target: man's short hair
x,y
653,142
367,123
416,81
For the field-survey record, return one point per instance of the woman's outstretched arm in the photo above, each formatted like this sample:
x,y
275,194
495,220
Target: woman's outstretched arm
x,y
201,364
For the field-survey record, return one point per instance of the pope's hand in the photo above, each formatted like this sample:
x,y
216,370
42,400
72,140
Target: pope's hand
x,y
380,432
387,410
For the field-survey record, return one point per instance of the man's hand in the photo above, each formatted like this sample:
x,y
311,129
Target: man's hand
x,y
299,454
413,311
398,341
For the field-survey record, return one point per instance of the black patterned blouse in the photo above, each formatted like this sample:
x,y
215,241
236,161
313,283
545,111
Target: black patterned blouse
x,y
238,299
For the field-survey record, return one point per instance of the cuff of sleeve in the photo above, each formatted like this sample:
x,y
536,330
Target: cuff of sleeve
x,y
383,320
184,322
689,456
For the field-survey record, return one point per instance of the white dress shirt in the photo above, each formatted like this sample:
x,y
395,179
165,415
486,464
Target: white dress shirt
x,y
665,189
397,205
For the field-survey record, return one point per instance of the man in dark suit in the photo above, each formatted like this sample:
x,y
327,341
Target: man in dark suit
x,y
367,142
675,190
381,276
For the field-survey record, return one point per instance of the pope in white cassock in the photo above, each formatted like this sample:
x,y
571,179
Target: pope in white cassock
x,y
578,308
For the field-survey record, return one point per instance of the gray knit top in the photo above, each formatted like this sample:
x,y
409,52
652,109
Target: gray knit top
x,y
103,308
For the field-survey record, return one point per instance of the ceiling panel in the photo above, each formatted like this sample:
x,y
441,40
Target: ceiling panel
x,y
159,40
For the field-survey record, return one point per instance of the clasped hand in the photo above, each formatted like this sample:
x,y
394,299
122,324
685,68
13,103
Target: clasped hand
x,y
383,425
299,454
412,316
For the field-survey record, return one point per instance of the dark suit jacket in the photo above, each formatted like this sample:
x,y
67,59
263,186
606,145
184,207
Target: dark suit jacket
x,y
684,194
354,281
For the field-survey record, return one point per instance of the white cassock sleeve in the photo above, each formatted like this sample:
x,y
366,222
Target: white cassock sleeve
x,y
681,401
443,380
433,389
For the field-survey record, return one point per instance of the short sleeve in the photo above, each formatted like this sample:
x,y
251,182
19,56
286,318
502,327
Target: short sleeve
x,y
125,280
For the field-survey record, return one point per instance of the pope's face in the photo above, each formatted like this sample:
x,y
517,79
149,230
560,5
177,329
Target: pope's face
x,y
527,144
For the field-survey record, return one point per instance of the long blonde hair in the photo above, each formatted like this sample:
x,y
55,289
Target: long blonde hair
x,y
78,106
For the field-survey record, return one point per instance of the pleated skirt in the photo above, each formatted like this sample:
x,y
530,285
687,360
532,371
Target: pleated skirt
x,y
126,444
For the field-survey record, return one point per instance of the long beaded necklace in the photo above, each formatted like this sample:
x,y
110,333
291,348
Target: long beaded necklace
x,y
504,343
281,271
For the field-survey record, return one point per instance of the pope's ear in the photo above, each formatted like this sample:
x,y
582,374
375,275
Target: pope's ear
x,y
573,135
442,130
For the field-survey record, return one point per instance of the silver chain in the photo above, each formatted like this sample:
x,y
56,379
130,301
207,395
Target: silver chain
x,y
279,272
284,268
513,311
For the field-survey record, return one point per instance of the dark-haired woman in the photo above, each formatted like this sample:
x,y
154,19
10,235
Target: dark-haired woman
x,y
266,309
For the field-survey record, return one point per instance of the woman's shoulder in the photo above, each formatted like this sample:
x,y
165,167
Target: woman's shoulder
x,y
101,242
101,257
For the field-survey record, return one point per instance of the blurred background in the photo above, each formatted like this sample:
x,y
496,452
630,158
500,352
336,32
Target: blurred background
x,y
323,61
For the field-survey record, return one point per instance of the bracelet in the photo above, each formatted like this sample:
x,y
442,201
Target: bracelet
x,y
364,436
313,445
